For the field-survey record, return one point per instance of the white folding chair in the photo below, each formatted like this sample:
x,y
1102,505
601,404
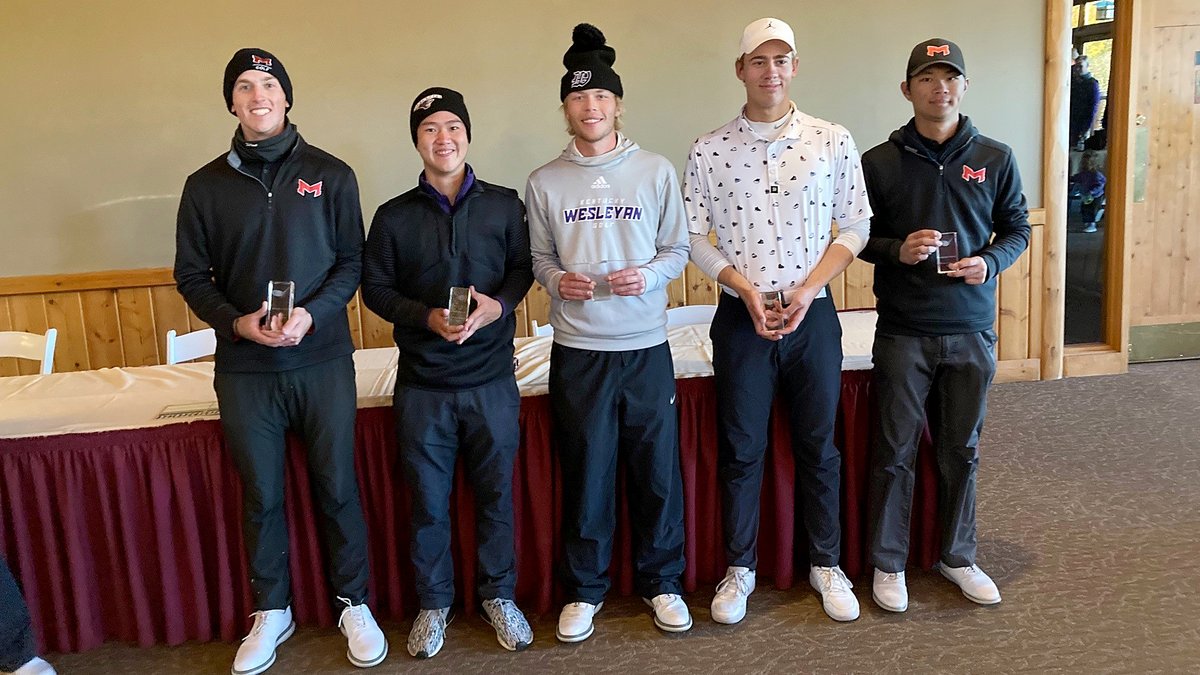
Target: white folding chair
x,y
690,314
191,345
30,346
540,330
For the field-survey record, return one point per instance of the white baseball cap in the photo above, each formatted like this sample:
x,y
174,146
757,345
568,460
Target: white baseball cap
x,y
765,30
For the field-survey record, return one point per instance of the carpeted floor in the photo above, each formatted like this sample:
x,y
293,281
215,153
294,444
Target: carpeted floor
x,y
1089,521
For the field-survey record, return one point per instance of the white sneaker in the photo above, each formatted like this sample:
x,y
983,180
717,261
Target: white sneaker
x,y
366,645
670,612
257,653
729,604
575,621
889,591
35,666
975,584
512,629
836,597
428,632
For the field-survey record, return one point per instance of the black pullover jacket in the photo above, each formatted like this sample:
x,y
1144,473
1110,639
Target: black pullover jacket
x,y
234,234
416,251
973,188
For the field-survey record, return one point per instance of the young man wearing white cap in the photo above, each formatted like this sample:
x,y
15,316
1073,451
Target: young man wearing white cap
x,y
276,208
607,233
770,183
935,347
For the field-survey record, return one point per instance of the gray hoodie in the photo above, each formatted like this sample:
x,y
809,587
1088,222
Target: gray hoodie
x,y
605,213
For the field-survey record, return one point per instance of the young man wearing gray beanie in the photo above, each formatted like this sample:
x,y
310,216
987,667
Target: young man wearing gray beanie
x,y
456,394
607,232
273,209
770,183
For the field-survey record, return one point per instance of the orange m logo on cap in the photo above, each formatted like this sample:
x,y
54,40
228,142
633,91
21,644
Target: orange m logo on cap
x,y
932,50
257,60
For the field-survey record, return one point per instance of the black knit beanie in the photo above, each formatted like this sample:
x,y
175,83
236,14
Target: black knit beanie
x,y
252,58
437,99
589,63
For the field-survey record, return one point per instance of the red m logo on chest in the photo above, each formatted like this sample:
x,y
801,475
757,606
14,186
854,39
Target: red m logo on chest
x,y
971,174
303,188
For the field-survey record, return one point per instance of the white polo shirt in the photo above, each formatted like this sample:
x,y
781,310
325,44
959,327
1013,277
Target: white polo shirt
x,y
773,202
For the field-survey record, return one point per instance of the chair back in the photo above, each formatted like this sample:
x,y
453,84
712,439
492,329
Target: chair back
x,y
690,314
191,345
30,346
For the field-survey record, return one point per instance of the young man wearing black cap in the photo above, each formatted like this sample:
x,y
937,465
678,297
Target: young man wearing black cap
x,y
607,233
770,183
455,389
276,208
935,349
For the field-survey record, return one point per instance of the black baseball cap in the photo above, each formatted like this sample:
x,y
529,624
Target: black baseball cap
x,y
934,51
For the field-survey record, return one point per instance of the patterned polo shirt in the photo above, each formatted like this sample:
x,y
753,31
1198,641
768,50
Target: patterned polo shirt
x,y
773,202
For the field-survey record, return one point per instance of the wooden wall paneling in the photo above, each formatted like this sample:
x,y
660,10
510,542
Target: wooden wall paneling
x,y
136,319
8,366
64,311
522,313
376,332
170,313
1122,102
701,289
1167,169
28,313
837,290
677,289
194,322
858,278
103,333
354,308
1013,324
1036,237
537,304
1055,109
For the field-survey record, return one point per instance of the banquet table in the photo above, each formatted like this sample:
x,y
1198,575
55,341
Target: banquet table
x,y
124,526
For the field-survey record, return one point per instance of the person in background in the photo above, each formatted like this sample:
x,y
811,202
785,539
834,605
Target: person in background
x,y
455,394
1088,185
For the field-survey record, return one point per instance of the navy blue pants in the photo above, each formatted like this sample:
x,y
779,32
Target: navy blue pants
x,y
805,367
610,405
432,429
320,403
946,379
16,634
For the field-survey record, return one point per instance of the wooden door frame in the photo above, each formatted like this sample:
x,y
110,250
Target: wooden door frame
x,y
1112,354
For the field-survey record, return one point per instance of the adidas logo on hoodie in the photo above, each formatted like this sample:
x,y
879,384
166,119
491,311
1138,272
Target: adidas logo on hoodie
x,y
600,184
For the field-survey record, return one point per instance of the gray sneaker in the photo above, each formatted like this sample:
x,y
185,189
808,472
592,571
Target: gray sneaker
x,y
428,632
512,630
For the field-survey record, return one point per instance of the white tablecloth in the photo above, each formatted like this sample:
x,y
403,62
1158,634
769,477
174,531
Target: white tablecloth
x,y
126,398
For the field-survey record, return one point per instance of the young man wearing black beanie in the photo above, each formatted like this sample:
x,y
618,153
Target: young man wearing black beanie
x,y
607,232
272,209
456,393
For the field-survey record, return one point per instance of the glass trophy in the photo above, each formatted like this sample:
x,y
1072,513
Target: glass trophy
x,y
598,273
773,302
947,251
280,297
460,305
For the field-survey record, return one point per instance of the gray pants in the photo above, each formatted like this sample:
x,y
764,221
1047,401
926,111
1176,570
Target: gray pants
x,y
943,379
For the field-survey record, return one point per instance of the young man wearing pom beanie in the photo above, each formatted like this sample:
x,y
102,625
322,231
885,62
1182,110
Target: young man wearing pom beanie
x,y
770,183
456,393
276,208
607,232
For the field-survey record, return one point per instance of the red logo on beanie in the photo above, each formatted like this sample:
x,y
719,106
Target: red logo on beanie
x,y
303,188
943,50
259,61
970,174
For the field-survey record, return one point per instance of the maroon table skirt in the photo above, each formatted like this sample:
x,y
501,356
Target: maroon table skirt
x,y
135,535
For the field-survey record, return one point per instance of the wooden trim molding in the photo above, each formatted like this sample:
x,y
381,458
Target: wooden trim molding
x,y
1056,108
86,281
